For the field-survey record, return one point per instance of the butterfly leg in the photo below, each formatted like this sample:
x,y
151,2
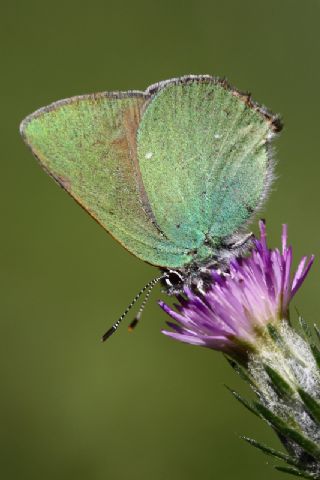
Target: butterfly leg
x,y
243,241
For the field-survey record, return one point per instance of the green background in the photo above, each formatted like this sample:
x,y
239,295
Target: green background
x,y
141,406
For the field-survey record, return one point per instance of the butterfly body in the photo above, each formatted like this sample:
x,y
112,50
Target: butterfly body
x,y
174,173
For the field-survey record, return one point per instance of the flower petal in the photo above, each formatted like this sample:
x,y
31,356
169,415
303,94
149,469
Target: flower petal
x,y
257,290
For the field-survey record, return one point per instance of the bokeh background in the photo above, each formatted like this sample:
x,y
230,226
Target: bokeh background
x,y
141,406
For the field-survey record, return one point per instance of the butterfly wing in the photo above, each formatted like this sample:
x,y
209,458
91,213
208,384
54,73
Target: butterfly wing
x,y
203,156
88,145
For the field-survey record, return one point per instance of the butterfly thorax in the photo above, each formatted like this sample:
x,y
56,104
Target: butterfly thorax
x,y
198,274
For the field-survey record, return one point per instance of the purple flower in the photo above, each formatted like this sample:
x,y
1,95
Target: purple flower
x,y
238,306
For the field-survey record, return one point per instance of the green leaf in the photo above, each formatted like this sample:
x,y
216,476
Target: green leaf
x,y
297,472
274,334
271,451
282,427
240,370
312,405
244,402
308,336
280,384
317,331
305,328
316,353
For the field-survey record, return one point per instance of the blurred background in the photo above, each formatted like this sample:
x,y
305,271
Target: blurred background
x,y
141,406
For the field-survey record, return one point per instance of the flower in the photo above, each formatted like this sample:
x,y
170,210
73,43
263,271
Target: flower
x,y
237,307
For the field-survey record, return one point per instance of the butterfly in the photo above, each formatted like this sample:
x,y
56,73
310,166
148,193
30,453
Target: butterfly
x,y
174,173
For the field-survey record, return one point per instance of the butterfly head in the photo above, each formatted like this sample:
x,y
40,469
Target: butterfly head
x,y
173,281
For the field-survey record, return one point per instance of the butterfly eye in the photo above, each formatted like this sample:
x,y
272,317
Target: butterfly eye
x,y
173,279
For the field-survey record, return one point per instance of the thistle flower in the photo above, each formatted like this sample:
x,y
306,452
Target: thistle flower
x,y
233,314
245,314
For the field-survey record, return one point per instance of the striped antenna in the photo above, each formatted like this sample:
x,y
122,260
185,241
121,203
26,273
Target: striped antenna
x,y
137,318
115,326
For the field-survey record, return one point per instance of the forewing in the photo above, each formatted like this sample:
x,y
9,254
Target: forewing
x,y
88,145
203,155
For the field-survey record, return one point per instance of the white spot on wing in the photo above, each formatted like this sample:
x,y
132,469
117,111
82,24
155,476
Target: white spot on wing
x,y
217,136
270,135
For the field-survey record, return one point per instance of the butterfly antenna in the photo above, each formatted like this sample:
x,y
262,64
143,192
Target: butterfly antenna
x,y
137,318
115,326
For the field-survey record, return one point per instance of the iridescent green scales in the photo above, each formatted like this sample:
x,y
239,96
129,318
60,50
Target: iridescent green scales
x,y
171,173
205,164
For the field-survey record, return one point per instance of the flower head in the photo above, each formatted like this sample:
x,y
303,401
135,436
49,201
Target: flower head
x,y
239,305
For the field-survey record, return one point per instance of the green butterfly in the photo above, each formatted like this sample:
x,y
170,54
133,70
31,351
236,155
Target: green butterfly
x,y
174,173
